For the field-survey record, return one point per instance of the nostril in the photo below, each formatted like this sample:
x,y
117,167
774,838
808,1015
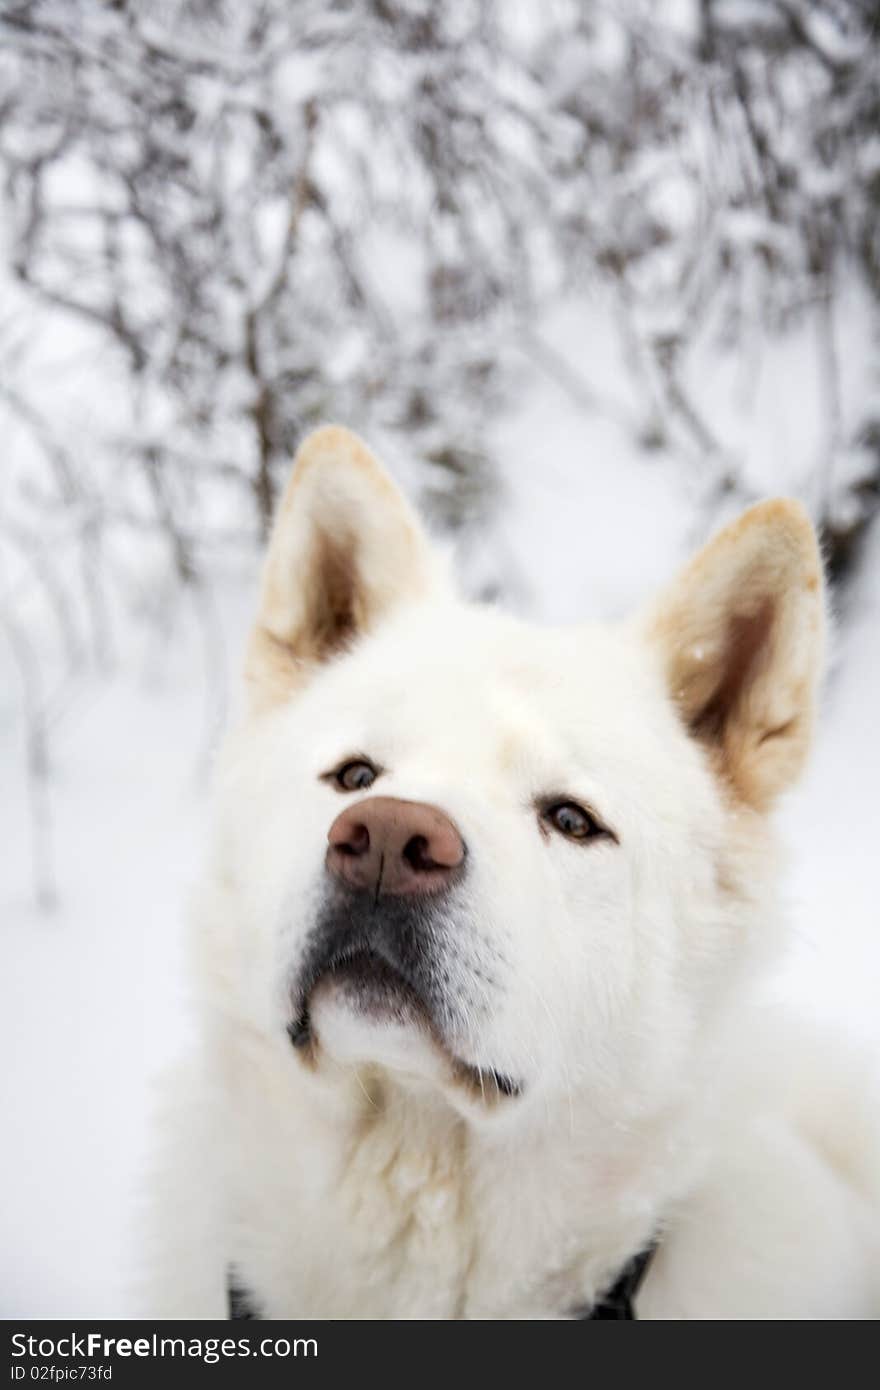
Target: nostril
x,y
417,853
356,842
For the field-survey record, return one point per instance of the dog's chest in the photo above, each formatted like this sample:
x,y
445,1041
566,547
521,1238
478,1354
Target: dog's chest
x,y
385,1233
395,1228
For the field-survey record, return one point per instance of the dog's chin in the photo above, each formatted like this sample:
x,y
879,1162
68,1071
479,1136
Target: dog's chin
x,y
362,1014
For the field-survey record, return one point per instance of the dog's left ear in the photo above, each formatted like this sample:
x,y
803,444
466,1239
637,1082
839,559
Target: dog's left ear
x,y
346,549
740,634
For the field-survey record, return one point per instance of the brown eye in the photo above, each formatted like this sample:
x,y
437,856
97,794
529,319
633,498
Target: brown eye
x,y
573,821
355,776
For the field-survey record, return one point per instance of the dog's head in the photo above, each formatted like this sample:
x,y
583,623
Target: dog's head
x,y
494,859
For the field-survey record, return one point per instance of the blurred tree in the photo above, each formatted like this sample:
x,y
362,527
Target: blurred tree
x,y
278,213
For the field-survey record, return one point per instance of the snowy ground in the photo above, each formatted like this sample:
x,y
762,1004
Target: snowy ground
x,y
92,997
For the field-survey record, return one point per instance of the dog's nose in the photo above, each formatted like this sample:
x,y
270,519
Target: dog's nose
x,y
385,845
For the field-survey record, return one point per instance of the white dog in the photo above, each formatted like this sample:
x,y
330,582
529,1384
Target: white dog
x,y
484,908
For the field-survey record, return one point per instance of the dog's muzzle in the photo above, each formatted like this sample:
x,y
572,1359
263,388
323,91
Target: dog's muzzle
x,y
392,873
379,951
392,867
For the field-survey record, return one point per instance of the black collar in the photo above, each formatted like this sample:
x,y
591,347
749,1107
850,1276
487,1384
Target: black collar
x,y
616,1303
238,1300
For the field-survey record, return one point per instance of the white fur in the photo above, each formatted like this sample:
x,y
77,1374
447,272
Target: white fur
x,y
612,979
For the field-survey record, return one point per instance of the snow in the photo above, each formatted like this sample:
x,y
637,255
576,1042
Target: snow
x,y
831,825
92,994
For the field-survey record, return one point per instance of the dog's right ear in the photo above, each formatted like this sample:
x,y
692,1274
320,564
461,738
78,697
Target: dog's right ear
x,y
740,634
346,549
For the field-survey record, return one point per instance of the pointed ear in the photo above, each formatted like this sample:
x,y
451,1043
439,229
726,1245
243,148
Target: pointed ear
x,y
345,550
741,639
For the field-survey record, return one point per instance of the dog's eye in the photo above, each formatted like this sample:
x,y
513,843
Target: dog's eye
x,y
572,821
355,776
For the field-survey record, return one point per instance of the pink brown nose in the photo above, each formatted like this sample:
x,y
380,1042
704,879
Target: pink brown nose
x,y
385,845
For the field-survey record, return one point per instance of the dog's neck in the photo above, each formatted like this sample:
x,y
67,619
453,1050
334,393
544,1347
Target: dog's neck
x,y
532,1211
